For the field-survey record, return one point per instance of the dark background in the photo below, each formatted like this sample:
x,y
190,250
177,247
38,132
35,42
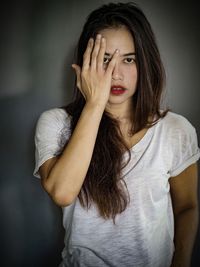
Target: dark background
x,y
36,52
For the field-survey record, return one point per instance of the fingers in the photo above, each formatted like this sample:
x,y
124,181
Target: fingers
x,y
112,63
78,75
87,54
102,50
78,78
94,57
95,51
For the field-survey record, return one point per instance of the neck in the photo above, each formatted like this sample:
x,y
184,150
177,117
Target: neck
x,y
122,112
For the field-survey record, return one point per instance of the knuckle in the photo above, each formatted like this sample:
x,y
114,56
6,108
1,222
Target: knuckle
x,y
99,66
83,73
94,53
103,45
111,64
85,56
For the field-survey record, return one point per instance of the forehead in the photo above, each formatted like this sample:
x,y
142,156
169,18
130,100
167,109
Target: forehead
x,y
118,38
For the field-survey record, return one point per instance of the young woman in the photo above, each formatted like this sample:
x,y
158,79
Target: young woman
x,y
123,170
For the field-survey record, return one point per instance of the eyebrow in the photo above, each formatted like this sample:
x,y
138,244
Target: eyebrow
x,y
124,55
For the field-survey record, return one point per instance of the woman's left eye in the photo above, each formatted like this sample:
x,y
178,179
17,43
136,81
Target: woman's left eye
x,y
129,60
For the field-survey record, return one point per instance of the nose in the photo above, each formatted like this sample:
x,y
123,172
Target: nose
x,y
117,73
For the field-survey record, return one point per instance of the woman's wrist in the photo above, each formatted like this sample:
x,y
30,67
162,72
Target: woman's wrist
x,y
94,105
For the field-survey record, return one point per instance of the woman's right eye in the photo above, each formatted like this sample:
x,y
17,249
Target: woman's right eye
x,y
106,60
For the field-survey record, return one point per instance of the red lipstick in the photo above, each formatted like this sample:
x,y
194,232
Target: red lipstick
x,y
117,90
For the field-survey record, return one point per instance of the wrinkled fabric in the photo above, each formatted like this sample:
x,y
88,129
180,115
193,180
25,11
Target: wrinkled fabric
x,y
143,234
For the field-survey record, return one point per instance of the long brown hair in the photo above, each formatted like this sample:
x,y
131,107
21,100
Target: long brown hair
x,y
103,184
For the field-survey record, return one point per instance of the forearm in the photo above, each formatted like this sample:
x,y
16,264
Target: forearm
x,y
67,175
186,224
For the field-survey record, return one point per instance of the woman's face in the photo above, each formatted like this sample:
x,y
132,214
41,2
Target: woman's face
x,y
125,71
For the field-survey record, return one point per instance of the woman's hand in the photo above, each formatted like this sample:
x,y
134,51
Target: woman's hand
x,y
94,80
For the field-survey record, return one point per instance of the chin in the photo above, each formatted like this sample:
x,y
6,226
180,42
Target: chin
x,y
115,101
118,99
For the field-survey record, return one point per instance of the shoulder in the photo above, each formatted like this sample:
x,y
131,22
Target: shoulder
x,y
57,117
56,114
180,135
176,123
180,141
53,122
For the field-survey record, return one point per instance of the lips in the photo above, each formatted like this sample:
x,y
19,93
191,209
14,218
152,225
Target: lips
x,y
117,90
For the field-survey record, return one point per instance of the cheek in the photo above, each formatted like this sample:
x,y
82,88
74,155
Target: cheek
x,y
131,74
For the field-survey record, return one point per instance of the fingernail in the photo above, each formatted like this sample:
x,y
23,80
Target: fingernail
x,y
98,36
117,51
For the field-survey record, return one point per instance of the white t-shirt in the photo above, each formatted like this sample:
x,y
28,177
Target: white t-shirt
x,y
143,233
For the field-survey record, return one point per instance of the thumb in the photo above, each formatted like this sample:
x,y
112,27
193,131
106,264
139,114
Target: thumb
x,y
78,75
76,68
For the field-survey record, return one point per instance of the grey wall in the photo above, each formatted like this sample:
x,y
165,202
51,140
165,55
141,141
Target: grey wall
x,y
36,51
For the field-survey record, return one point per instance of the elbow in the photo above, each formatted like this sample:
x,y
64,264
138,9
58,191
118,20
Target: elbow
x,y
192,208
60,197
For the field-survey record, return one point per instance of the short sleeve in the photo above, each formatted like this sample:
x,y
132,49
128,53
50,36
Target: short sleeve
x,y
52,133
183,146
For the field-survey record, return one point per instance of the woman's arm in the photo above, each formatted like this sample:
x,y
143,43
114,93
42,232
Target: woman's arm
x,y
185,207
63,176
